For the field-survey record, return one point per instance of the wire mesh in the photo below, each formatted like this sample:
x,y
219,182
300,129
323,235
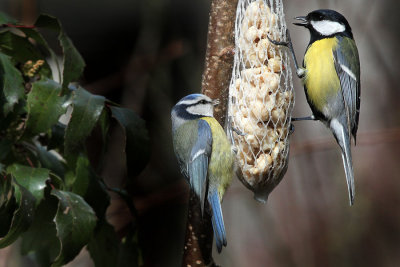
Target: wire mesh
x,y
261,96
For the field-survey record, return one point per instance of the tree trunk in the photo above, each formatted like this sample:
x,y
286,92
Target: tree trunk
x,y
215,84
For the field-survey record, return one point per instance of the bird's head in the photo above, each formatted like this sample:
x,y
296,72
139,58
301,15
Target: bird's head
x,y
325,23
192,107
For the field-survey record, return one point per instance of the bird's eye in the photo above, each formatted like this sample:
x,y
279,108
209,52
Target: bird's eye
x,y
203,102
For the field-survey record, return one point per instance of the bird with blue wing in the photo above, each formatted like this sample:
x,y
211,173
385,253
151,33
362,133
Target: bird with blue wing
x,y
331,78
204,155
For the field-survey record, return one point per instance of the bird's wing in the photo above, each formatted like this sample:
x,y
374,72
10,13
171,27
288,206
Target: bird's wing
x,y
347,66
198,162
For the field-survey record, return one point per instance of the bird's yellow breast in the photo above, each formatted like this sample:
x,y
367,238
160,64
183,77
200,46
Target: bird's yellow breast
x,y
321,79
221,162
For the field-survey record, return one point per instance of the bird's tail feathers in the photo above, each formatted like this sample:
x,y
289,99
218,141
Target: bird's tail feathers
x,y
217,219
348,168
343,139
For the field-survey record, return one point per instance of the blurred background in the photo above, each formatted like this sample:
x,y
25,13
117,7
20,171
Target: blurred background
x,y
146,55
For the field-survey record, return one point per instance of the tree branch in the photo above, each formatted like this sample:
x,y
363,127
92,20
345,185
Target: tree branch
x,y
215,84
219,55
199,235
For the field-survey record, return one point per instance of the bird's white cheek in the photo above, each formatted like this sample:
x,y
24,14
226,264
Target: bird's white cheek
x,y
203,110
327,27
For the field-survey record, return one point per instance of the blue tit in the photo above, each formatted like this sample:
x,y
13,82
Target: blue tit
x,y
331,77
204,155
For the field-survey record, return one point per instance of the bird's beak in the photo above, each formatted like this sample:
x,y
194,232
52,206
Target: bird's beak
x,y
215,102
303,21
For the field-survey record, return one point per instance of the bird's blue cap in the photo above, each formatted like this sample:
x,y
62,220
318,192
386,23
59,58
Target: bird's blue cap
x,y
191,97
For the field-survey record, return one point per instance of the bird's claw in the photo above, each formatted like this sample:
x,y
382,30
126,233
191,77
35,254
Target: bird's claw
x,y
289,45
278,42
282,43
291,128
237,131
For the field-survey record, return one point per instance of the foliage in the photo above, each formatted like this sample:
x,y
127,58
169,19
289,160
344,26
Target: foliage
x,y
50,195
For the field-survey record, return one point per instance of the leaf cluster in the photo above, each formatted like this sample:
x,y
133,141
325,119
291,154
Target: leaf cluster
x,y
50,195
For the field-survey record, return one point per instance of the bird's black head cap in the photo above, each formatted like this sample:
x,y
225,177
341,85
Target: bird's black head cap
x,y
324,23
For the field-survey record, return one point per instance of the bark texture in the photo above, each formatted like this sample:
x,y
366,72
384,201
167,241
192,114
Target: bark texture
x,y
215,84
219,54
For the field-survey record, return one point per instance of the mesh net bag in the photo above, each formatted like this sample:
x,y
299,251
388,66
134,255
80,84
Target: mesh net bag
x,y
261,96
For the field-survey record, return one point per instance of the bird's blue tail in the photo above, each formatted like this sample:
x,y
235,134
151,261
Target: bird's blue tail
x,y
217,219
343,139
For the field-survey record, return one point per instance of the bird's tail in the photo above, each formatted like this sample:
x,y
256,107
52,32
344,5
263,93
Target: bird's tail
x,y
343,139
217,219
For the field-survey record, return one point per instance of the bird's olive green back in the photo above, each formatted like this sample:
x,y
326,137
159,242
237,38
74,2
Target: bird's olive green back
x,y
184,139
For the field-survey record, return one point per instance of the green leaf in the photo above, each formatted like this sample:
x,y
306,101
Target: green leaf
x,y
10,43
8,121
5,148
49,161
6,214
137,146
6,19
82,176
73,61
45,106
75,221
86,112
104,123
103,247
87,185
56,181
33,179
11,83
22,217
44,48
7,204
57,136
41,237
5,189
21,50
69,179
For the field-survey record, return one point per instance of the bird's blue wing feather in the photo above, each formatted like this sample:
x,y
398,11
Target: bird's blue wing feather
x,y
217,219
198,163
347,66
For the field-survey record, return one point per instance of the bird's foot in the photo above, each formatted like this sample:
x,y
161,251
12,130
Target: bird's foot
x,y
291,128
237,131
281,43
300,72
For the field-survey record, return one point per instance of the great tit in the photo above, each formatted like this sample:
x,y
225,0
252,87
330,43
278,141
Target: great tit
x,y
331,77
204,154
